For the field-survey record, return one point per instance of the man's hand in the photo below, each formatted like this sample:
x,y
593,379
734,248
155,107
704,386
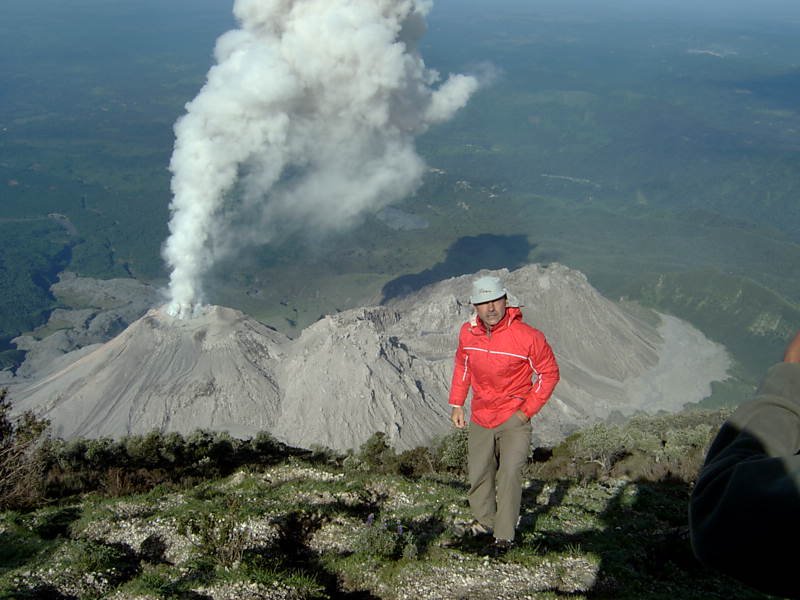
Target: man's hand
x,y
457,417
793,350
525,418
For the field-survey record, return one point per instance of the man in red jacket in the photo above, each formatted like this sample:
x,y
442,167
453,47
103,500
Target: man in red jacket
x,y
512,371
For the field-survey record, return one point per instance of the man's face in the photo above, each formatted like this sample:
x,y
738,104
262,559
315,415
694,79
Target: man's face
x,y
491,313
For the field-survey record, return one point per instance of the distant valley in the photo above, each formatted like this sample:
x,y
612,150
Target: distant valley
x,y
605,142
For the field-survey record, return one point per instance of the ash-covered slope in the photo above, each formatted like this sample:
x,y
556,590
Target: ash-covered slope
x,y
373,360
214,371
383,368
350,375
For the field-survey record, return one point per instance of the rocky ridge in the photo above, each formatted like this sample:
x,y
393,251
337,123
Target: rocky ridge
x,y
381,368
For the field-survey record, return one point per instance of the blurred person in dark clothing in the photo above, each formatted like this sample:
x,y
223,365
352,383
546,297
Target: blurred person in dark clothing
x,y
744,513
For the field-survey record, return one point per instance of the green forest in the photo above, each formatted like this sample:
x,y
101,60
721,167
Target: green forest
x,y
656,154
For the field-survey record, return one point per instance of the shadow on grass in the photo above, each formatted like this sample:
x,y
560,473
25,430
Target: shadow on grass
x,y
295,555
57,523
22,543
641,538
41,592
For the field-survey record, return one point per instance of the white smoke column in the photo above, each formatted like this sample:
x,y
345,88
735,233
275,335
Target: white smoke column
x,y
311,112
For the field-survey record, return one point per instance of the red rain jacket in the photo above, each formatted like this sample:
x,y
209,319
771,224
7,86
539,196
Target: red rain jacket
x,y
509,368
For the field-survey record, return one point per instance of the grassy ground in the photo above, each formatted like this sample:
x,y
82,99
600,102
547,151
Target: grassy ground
x,y
601,518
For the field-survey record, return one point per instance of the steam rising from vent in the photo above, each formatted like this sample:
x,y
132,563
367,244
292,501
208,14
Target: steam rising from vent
x,y
306,120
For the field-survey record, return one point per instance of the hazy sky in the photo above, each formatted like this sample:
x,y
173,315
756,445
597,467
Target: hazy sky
x,y
721,8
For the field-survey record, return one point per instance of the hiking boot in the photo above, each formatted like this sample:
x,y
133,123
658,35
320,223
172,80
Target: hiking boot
x,y
460,532
499,547
478,529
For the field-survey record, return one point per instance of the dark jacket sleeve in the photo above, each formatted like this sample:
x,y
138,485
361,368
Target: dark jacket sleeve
x,y
744,512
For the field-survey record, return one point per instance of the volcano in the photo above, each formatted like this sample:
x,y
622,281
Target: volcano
x,y
381,368
214,371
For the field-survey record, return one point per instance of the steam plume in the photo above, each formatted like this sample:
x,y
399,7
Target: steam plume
x,y
307,119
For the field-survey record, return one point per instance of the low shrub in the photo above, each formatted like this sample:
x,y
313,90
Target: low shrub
x,y
451,452
416,462
385,540
650,448
217,535
23,462
376,455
